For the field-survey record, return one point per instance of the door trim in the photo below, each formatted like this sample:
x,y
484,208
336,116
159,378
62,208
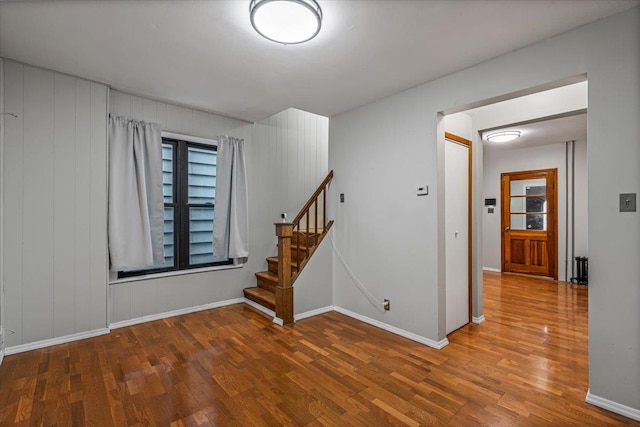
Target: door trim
x,y
460,140
552,226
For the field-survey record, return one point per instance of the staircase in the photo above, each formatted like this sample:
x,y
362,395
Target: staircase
x,y
297,241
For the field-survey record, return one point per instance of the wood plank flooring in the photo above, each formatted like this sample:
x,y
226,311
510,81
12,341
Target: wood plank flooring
x,y
526,365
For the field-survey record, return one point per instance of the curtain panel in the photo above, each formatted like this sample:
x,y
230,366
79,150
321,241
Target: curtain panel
x,y
136,204
231,221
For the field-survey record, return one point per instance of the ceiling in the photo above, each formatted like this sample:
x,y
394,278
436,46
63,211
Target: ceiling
x,y
205,54
570,128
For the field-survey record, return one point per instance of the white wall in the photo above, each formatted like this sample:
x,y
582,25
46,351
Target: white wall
x,y
542,157
313,287
2,344
459,124
55,204
286,157
391,237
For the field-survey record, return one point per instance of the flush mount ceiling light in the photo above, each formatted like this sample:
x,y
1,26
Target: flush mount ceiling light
x,y
506,136
286,21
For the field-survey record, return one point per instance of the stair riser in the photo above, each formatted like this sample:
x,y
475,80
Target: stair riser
x,y
299,256
273,266
266,284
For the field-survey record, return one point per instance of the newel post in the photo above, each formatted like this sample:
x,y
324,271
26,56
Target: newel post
x,y
284,290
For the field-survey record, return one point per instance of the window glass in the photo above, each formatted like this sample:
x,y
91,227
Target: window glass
x,y
167,172
202,176
200,235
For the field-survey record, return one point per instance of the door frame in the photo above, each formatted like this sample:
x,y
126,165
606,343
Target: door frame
x,y
463,141
552,218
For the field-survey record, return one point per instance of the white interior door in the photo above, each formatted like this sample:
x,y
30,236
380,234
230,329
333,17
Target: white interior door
x,y
457,234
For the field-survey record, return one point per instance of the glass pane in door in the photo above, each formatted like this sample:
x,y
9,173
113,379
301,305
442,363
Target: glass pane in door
x,y
522,221
523,187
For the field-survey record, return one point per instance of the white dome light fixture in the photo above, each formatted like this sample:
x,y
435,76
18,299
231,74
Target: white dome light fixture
x,y
286,21
504,136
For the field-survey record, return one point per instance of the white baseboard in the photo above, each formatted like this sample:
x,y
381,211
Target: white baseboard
x,y
158,316
1,357
478,320
55,341
278,321
312,313
495,270
259,307
612,406
415,337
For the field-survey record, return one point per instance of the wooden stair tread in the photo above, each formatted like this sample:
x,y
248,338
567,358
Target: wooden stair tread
x,y
311,231
268,275
261,296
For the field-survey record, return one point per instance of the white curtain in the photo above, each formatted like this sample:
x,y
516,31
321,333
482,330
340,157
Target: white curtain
x,y
231,223
136,205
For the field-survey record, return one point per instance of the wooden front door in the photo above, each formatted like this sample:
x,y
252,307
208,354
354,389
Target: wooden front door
x,y
529,222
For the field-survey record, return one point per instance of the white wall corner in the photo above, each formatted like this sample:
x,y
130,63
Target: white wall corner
x,y
55,341
394,330
612,406
312,313
1,356
174,313
478,320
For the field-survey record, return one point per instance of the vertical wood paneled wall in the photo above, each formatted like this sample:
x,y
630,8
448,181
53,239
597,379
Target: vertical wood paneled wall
x,y
288,161
286,157
55,204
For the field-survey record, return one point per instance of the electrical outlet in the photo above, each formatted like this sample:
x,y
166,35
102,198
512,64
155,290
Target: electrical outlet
x,y
387,305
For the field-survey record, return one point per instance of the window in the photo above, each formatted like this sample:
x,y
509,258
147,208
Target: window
x,y
189,189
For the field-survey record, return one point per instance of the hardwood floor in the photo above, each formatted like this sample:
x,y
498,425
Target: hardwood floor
x,y
526,365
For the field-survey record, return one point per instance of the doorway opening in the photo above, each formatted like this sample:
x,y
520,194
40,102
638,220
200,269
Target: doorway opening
x,y
551,121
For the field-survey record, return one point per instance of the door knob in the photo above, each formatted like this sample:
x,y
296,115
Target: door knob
x,y
507,229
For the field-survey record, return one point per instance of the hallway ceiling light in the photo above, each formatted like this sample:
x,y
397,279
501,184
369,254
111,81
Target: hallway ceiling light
x,y
286,21
505,136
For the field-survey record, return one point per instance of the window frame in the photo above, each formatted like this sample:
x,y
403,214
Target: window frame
x,y
181,207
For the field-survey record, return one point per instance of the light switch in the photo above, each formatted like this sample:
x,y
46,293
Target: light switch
x,y
423,190
627,202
